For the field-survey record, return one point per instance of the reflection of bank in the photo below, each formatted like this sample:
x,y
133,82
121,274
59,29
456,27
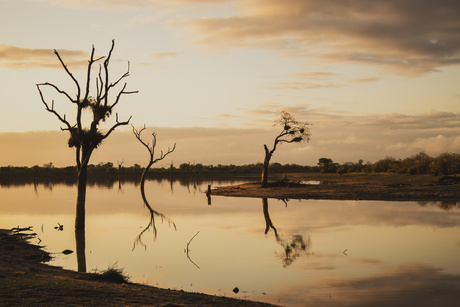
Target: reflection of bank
x,y
293,247
444,205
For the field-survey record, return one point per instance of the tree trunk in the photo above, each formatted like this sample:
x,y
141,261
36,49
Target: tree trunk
x,y
267,158
81,245
81,198
143,182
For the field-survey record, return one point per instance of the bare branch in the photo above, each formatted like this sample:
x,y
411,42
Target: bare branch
x,y
100,87
58,90
106,69
126,74
138,136
51,110
88,73
151,149
70,74
162,156
116,125
121,93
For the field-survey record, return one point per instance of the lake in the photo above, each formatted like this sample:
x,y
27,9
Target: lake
x,y
292,253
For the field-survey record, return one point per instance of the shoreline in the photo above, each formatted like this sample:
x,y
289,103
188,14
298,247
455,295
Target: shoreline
x,y
27,280
390,187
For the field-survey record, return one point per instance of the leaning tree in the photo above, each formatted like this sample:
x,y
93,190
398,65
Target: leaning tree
x,y
93,108
293,132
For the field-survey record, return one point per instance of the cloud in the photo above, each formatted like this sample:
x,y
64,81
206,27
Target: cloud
x,y
361,80
124,5
409,37
302,85
17,57
436,145
163,55
340,136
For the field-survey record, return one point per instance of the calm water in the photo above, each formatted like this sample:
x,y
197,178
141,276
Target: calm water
x,y
309,252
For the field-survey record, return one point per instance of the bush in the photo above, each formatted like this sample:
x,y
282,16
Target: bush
x,y
114,274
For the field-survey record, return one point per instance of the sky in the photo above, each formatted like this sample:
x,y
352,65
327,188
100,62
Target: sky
x,y
373,78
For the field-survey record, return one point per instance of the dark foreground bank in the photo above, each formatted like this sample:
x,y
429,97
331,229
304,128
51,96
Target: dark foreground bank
x,y
26,281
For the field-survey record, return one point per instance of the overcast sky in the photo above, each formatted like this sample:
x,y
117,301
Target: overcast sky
x,y
374,78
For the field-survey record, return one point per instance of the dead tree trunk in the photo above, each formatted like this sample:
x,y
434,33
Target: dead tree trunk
x,y
81,198
81,246
268,156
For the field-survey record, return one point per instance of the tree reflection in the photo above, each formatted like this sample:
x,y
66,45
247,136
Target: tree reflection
x,y
293,247
151,223
152,161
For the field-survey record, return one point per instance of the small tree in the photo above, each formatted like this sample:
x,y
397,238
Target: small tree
x,y
293,132
151,150
326,165
86,139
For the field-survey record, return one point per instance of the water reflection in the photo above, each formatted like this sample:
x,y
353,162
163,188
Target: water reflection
x,y
151,223
394,251
293,247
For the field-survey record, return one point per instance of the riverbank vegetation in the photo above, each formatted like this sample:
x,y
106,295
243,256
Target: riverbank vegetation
x,y
421,163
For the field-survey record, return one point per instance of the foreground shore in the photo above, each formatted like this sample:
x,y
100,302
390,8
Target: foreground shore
x,y
26,281
392,187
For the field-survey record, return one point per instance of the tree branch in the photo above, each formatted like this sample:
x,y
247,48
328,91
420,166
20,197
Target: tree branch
x,y
138,136
106,69
51,110
70,74
121,93
116,125
58,90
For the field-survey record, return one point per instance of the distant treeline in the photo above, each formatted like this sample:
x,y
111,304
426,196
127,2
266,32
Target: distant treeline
x,y
421,163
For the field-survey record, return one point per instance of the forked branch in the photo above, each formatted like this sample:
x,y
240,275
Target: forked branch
x,y
151,149
51,110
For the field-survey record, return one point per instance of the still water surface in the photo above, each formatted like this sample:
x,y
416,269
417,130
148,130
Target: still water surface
x,y
294,253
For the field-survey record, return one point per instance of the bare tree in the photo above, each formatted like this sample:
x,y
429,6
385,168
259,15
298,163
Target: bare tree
x,y
293,132
151,149
86,139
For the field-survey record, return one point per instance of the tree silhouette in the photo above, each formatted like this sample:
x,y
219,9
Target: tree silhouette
x,y
100,107
293,132
153,213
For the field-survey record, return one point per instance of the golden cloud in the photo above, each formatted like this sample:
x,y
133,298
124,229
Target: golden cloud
x,y
17,57
409,37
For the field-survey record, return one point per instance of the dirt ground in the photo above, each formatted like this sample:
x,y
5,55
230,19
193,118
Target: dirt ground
x,y
26,281
395,187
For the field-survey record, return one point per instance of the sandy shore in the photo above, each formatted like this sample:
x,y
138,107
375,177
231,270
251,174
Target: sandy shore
x,y
27,281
